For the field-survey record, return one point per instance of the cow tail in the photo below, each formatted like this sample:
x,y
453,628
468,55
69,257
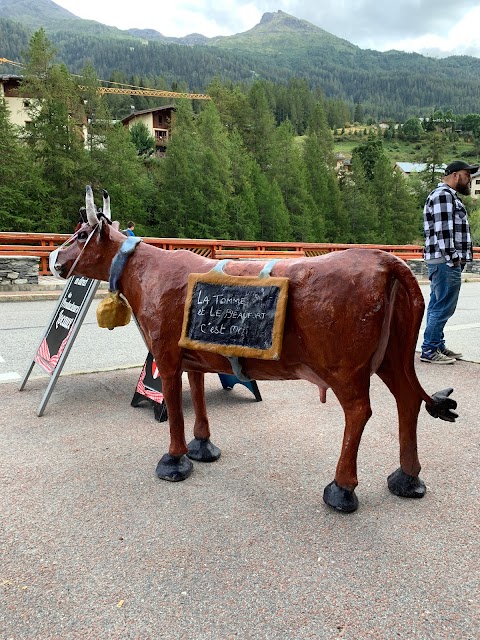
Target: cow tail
x,y
438,405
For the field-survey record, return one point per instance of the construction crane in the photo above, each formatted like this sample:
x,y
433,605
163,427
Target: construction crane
x,y
142,91
15,64
131,90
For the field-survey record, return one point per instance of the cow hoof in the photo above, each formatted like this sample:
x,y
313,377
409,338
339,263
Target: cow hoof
x,y
174,468
339,498
203,450
406,486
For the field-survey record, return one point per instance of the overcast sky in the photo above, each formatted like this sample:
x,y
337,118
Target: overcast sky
x,y
443,27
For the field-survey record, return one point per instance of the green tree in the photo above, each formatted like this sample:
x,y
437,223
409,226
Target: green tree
x,y
241,206
55,134
359,202
331,221
358,114
273,214
22,201
412,130
288,169
259,138
142,139
119,170
215,169
434,152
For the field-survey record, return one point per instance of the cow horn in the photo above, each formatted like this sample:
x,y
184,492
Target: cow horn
x,y
90,206
106,205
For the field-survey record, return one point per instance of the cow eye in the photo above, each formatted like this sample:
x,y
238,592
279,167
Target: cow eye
x,y
83,235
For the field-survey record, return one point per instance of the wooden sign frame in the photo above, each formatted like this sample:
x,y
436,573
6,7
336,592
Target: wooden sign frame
x,y
225,281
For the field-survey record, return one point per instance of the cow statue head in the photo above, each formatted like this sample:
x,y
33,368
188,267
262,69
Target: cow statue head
x,y
90,250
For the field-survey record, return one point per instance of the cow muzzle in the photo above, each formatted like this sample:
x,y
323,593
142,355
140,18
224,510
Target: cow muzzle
x,y
54,265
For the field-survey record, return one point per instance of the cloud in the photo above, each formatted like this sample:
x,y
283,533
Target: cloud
x,y
414,25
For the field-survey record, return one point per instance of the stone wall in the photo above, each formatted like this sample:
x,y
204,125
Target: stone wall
x,y
18,273
419,268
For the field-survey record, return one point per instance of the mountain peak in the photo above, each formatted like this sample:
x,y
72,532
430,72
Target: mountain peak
x,y
279,31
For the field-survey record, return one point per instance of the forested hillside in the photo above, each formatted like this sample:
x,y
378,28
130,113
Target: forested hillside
x,y
392,85
234,167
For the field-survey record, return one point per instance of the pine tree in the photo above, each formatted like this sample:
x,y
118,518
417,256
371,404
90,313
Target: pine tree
x,y
360,204
214,167
22,201
241,206
331,221
273,214
55,134
118,169
259,137
179,178
288,169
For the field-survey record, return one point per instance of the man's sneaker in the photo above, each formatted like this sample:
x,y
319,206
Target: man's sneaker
x,y
436,357
451,354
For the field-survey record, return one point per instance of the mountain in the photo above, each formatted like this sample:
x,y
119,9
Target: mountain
x,y
281,47
45,13
280,32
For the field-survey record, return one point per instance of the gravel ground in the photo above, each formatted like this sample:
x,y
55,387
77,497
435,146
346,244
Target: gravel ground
x,y
94,546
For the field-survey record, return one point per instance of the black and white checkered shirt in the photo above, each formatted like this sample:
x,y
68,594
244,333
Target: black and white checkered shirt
x,y
445,223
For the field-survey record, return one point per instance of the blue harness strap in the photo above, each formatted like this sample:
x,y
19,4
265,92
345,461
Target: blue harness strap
x,y
267,269
120,260
220,266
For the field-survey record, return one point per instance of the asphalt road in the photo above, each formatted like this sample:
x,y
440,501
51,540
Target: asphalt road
x,y
22,325
93,546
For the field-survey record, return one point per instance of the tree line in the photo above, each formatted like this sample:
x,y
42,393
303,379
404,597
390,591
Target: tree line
x,y
234,168
393,85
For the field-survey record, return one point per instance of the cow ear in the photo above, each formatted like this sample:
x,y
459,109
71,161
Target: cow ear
x,y
90,207
116,225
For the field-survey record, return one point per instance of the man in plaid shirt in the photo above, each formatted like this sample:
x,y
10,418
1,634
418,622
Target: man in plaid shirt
x,y
448,246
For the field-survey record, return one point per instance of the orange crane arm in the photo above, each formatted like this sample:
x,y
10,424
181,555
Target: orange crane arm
x,y
158,93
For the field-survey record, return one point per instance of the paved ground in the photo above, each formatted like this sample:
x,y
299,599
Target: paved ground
x,y
93,546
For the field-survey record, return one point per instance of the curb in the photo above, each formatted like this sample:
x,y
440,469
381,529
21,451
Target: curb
x,y
29,296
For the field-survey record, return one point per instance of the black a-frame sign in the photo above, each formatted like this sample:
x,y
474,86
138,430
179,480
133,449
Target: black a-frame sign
x,y
64,325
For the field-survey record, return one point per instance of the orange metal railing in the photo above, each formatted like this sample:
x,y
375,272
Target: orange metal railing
x,y
41,244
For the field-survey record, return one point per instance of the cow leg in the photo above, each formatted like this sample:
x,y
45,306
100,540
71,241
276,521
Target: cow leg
x,y
200,448
404,482
174,465
354,398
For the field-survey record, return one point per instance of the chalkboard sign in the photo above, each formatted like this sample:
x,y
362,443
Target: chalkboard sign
x,y
57,335
61,332
235,315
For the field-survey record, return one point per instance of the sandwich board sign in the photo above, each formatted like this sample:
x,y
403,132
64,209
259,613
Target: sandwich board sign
x,y
149,388
64,325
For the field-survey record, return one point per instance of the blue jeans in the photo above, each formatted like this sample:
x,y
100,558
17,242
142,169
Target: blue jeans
x,y
445,283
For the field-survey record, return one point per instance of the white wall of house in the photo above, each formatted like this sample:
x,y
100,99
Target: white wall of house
x,y
146,119
18,112
476,186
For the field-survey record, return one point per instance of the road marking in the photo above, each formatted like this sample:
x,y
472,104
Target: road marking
x,y
10,376
460,327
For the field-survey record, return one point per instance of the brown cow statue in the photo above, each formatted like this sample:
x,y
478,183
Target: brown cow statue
x,y
349,314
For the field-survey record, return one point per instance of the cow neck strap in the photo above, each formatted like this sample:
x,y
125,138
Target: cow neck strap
x,y
127,247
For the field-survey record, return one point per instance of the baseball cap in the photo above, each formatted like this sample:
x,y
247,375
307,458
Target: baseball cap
x,y
460,165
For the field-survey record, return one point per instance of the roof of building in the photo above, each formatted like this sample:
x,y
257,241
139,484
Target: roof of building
x,y
134,114
417,167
